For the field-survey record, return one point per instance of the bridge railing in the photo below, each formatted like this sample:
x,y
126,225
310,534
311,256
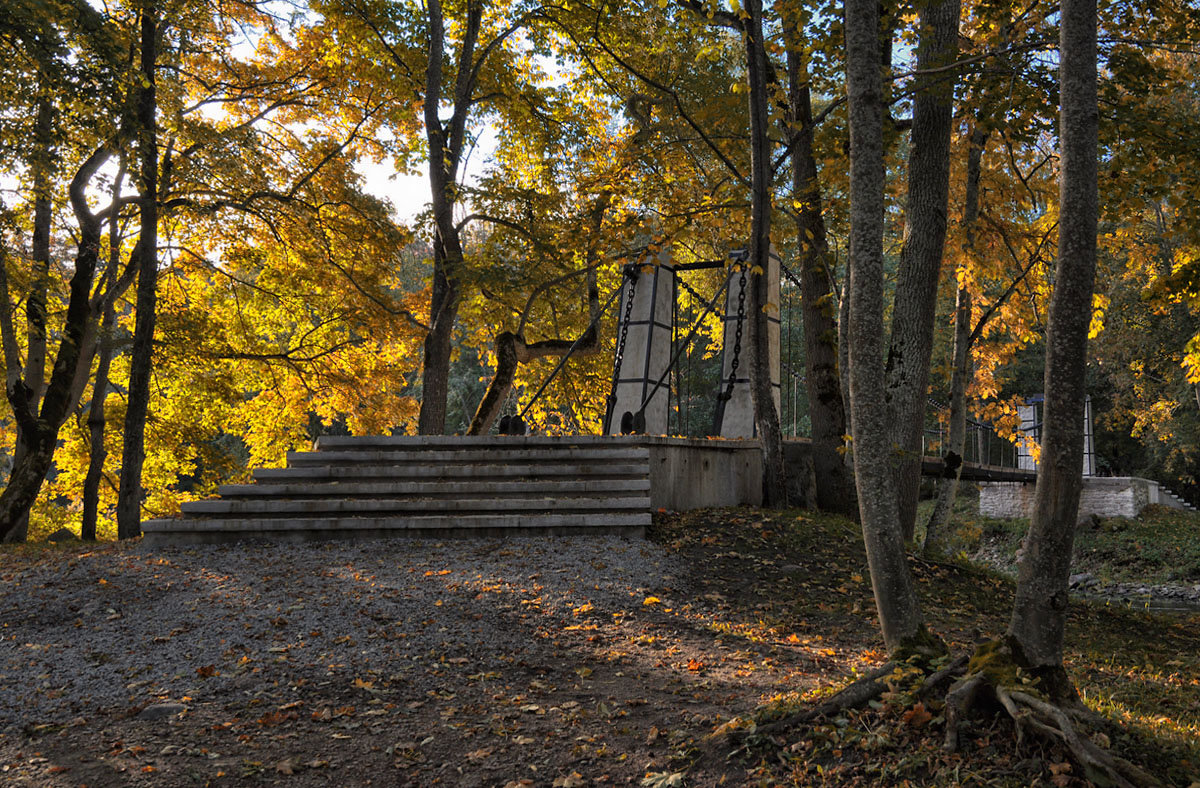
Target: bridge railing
x,y
983,445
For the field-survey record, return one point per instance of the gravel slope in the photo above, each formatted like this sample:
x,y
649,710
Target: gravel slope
x,y
120,628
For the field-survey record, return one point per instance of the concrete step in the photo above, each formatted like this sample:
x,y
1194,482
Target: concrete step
x,y
356,472
200,531
422,442
275,508
439,487
1168,497
500,490
471,456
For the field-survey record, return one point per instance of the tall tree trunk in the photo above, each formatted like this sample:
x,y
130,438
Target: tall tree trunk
x,y
915,307
762,393
960,373
445,156
35,305
129,499
843,338
43,172
835,484
435,363
899,609
39,427
97,452
1035,631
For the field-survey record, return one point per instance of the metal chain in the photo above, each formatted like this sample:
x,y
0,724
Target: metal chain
x,y
737,336
691,290
631,273
790,275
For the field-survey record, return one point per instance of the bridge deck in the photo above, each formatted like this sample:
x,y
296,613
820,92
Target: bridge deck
x,y
795,448
933,466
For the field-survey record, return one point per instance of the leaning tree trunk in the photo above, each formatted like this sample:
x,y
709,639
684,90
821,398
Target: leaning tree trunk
x,y
511,348
1035,631
35,303
511,352
762,393
960,373
899,609
129,499
835,483
40,426
915,307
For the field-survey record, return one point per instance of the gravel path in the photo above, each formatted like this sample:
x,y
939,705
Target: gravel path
x,y
121,628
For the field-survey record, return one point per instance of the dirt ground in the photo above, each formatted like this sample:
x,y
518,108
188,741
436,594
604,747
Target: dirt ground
x,y
767,611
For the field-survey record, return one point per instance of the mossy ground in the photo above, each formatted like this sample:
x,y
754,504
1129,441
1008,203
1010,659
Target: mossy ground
x,y
1160,546
1139,670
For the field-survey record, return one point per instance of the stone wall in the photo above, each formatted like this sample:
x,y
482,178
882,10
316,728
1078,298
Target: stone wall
x,y
1104,496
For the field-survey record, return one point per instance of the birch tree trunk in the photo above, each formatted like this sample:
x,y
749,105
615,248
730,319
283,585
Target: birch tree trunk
x,y
915,307
1035,631
900,615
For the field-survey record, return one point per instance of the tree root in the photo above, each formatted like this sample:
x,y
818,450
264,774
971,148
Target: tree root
x,y
934,683
1033,716
852,696
864,690
958,704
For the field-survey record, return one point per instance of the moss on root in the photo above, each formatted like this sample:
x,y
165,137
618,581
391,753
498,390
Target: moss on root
x,y
921,648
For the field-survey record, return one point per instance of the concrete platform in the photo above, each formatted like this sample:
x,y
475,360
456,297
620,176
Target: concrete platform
x,y
447,486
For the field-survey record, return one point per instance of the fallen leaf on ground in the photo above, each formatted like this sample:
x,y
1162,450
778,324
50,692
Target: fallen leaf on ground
x,y
917,716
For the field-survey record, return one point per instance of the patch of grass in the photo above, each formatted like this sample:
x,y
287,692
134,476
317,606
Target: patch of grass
x,y
1161,545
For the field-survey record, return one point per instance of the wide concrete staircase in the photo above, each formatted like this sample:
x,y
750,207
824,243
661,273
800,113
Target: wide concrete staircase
x,y
367,487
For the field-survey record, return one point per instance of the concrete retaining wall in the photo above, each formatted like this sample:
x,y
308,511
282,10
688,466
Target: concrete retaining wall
x,y
1104,496
687,473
